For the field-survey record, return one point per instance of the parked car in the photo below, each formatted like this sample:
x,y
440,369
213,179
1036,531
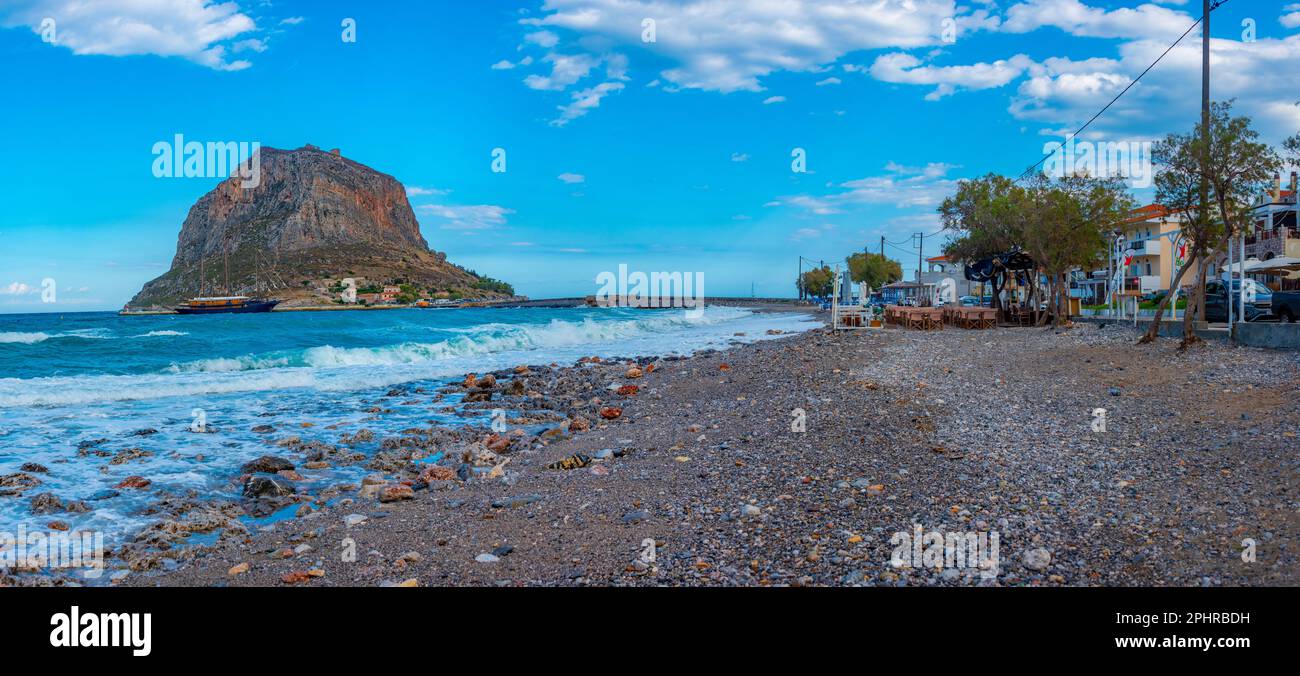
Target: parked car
x,y
1286,305
1154,296
1256,292
1217,298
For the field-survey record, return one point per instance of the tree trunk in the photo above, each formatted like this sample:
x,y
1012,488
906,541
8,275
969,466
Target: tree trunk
x,y
1195,300
1040,318
1053,301
1154,329
1063,302
997,296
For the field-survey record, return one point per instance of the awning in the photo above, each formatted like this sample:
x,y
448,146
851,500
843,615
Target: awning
x,y
1281,266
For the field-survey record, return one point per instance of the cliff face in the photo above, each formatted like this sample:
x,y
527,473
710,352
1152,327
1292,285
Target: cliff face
x,y
314,217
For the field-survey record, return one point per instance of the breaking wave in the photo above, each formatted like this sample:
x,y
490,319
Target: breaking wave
x,y
23,338
331,368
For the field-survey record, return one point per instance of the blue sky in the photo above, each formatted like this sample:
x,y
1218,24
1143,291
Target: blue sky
x,y
666,155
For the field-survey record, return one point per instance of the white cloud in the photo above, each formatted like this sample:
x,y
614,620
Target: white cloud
x,y
292,21
773,99
566,69
584,101
506,64
545,39
616,66
197,30
1292,18
739,157
1261,76
252,44
572,178
730,45
468,217
904,68
1076,18
900,186
417,191
17,289
828,81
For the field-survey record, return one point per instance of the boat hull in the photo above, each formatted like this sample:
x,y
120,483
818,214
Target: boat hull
x,y
250,306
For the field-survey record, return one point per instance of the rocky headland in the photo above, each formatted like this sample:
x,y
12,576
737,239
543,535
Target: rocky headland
x,y
314,219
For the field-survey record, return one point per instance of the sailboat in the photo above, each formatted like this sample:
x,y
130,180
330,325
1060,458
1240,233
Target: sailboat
x,y
209,305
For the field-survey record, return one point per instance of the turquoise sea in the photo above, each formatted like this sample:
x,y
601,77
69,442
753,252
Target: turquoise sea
x,y
141,383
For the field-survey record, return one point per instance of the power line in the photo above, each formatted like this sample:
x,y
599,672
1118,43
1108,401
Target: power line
x,y
1078,131
899,248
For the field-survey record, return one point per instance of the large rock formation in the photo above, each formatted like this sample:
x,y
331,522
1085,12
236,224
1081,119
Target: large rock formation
x,y
314,218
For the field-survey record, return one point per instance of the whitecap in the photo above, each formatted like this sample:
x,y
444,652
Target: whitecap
x,y
24,338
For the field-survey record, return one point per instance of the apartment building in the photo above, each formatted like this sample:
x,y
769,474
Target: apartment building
x,y
1275,233
1150,235
942,267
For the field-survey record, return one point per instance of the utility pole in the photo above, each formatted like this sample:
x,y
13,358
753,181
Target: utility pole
x,y
799,280
920,249
882,246
1205,132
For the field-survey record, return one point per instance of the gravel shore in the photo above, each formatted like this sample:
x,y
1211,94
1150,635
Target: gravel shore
x,y
953,431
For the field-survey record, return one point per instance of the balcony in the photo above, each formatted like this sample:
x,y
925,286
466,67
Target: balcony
x,y
1270,242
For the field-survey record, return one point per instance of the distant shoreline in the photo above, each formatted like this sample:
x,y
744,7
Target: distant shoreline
x,y
763,304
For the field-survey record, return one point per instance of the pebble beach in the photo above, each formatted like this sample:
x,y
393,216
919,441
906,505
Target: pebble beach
x,y
695,472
